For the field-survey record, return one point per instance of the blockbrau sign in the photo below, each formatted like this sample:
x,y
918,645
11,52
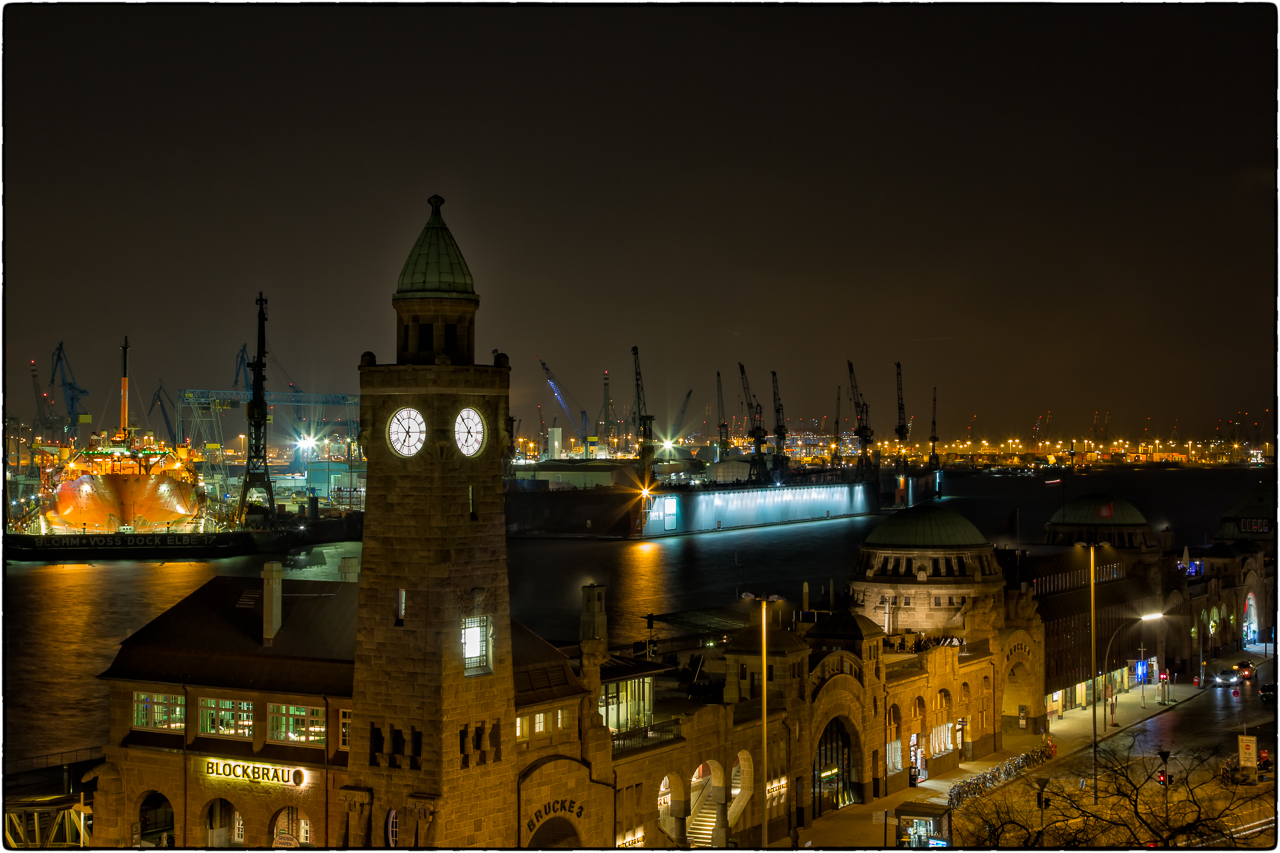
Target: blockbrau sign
x,y
254,772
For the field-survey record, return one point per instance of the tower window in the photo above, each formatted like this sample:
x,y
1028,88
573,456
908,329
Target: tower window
x,y
539,723
400,606
476,644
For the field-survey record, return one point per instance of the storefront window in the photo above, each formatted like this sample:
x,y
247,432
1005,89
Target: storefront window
x,y
627,705
159,711
834,771
296,724
226,718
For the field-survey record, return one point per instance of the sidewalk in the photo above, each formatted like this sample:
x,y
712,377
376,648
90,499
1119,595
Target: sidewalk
x,y
852,826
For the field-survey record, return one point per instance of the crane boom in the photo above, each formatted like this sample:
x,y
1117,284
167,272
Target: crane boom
x,y
561,397
71,392
242,368
756,473
679,425
159,397
644,426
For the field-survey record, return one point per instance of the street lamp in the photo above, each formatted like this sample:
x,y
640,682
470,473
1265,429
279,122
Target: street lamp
x,y
1105,657
764,714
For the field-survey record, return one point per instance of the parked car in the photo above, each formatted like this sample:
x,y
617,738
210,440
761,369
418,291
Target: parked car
x,y
1267,692
1227,676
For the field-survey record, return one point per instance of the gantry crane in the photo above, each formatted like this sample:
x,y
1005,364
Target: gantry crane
x,y
562,396
779,435
862,429
71,393
644,427
901,430
159,397
679,424
756,473
933,434
256,474
47,420
607,420
722,426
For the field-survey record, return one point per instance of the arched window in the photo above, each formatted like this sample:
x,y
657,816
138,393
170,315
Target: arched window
x,y
393,828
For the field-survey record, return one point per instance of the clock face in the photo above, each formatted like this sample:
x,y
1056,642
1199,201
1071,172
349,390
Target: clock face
x,y
406,432
468,431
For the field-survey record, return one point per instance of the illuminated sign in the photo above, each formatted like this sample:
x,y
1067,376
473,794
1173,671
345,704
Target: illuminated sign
x,y
254,772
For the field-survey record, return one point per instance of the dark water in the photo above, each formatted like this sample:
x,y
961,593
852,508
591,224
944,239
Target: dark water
x,y
62,623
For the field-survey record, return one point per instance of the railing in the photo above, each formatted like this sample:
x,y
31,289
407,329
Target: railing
x,y
53,759
646,736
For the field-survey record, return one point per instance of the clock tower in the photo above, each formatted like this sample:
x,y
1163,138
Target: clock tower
x,y
432,734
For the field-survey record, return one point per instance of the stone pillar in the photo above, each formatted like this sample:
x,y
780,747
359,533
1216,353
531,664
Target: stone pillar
x,y
679,813
720,832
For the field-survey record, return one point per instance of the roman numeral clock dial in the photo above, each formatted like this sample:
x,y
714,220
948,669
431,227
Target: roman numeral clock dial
x,y
468,432
406,432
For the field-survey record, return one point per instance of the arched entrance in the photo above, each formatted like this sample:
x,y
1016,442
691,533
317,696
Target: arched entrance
x,y
223,826
836,765
555,833
741,785
293,822
1249,626
155,820
1019,704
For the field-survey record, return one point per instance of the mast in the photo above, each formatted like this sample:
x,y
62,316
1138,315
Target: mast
x,y
124,388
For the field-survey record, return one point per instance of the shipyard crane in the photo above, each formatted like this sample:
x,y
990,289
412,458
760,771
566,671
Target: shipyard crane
x,y
1106,420
756,473
242,369
972,421
722,426
836,459
1093,430
901,430
779,434
159,397
1173,438
563,398
679,424
644,426
607,420
862,429
71,392
933,434
256,474
46,420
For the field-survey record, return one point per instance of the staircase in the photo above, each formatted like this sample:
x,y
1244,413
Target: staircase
x,y
703,820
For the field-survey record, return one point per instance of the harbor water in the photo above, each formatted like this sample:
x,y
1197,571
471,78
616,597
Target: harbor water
x,y
62,623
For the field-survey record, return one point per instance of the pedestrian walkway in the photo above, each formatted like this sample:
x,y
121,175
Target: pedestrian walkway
x,y
853,826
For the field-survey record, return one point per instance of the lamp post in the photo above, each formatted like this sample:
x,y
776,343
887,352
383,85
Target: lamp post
x,y
1106,657
764,721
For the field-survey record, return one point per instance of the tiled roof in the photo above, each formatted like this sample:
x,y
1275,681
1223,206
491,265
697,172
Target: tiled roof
x,y
540,672
435,267
1095,510
843,625
926,526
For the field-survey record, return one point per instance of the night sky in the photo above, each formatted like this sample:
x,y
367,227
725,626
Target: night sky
x,y
1066,208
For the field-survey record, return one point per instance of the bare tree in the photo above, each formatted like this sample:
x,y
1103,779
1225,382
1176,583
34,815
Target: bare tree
x,y
1197,806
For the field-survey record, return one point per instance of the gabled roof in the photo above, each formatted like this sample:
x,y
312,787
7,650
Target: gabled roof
x,y
435,266
540,672
213,638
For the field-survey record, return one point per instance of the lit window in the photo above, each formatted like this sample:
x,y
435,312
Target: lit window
x,y
159,711
400,606
475,644
539,723
296,724
226,718
522,728
304,831
344,733
239,828
559,719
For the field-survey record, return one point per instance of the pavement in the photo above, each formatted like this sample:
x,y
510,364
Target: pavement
x,y
852,826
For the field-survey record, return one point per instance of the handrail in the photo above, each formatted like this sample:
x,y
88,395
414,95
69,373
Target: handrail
x,y
698,803
646,735
53,759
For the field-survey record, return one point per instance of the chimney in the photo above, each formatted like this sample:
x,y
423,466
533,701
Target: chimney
x,y
805,604
594,625
272,581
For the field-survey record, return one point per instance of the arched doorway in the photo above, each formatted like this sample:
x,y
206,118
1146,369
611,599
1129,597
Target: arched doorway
x,y
155,820
223,826
555,833
293,822
1019,704
836,766
1249,626
742,785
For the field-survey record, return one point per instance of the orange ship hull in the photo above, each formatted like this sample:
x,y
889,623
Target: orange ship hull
x,y
105,503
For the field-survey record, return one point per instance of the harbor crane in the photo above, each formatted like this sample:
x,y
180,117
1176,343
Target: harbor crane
x,y
933,434
862,429
71,392
562,396
722,426
47,420
256,475
607,420
159,397
242,369
756,473
644,426
779,434
836,459
901,430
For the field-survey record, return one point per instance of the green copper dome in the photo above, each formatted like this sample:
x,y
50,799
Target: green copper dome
x,y
435,266
926,526
1092,510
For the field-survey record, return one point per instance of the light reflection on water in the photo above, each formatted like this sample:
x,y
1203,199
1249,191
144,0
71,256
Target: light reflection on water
x,y
63,622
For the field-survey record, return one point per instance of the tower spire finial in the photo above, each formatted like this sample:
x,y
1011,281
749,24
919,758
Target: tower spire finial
x,y
435,201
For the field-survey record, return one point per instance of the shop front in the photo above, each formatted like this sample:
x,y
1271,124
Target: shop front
x,y
923,824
